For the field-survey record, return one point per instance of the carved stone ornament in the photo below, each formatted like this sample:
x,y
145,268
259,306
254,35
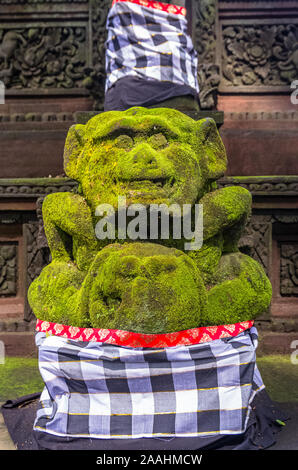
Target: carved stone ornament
x,y
43,57
95,80
204,38
31,188
260,54
256,239
267,186
37,257
8,269
289,269
209,78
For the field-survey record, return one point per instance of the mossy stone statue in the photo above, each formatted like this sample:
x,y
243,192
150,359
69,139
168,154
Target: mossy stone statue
x,y
149,156
142,287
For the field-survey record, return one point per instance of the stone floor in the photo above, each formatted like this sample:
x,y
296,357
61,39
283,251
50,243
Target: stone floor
x,y
287,439
5,440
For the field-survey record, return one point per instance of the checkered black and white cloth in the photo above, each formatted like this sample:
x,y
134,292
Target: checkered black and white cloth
x,y
149,44
98,390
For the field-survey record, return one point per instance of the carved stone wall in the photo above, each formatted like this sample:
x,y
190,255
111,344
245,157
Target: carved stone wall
x,y
204,38
52,65
37,256
258,45
271,238
49,48
43,57
62,49
52,62
279,256
259,55
23,248
242,47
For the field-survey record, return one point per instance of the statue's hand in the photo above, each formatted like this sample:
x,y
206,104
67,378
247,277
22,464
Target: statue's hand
x,y
69,228
241,290
225,211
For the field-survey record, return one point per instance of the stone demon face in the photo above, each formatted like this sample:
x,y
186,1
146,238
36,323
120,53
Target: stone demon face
x,y
147,155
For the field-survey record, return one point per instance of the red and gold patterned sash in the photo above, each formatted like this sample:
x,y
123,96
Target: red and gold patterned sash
x,y
139,340
166,7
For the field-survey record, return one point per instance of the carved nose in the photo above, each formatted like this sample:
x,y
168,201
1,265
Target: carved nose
x,y
144,157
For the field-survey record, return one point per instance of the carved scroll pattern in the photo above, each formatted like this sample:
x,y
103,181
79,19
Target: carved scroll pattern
x,y
43,57
289,269
259,55
8,269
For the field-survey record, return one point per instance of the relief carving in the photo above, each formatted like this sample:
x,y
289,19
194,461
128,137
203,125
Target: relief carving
x,y
95,74
265,55
256,240
49,57
8,270
37,257
289,269
204,39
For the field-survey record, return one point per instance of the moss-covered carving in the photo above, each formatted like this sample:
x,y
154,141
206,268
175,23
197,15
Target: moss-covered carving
x,y
148,156
142,287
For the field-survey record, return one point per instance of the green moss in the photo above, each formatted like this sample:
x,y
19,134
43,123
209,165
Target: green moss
x,y
260,179
35,181
19,376
54,295
146,288
224,208
208,257
149,156
68,224
139,287
280,377
242,291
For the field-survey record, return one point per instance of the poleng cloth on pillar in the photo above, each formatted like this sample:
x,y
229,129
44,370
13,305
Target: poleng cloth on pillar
x,y
149,54
100,390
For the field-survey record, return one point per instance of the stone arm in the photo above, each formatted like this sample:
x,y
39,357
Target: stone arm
x,y
237,286
69,229
56,294
225,211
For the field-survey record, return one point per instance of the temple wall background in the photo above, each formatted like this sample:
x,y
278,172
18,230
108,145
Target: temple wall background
x,y
52,64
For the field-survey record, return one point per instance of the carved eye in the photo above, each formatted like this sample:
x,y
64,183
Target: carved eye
x,y
124,142
158,141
